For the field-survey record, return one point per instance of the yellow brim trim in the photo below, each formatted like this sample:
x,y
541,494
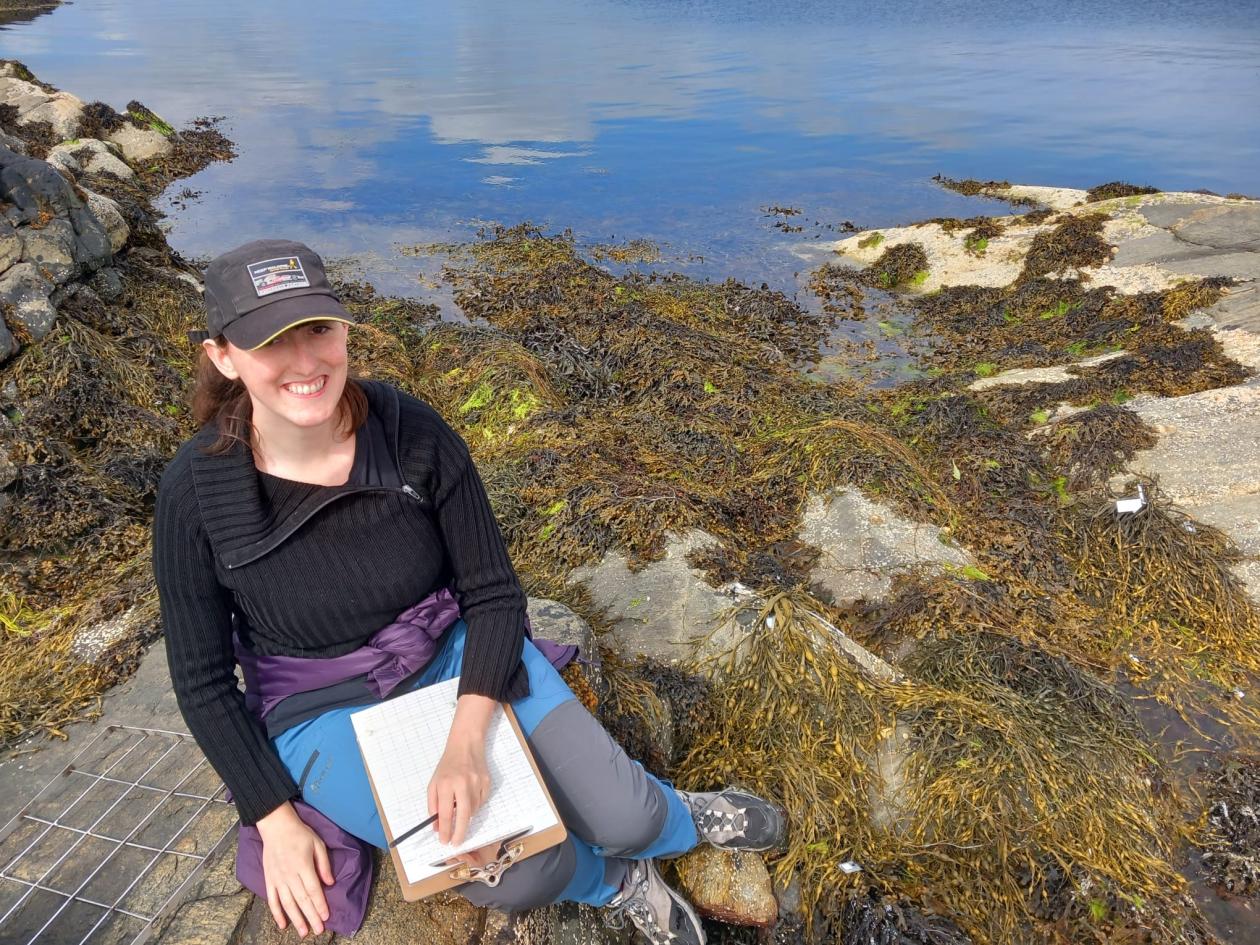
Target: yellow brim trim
x,y
317,318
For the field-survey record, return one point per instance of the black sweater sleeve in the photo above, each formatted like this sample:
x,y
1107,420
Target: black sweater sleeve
x,y
196,618
491,599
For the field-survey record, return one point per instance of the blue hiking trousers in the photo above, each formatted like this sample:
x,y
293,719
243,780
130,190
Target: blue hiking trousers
x,y
614,810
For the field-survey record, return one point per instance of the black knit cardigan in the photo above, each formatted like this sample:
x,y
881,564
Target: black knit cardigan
x,y
314,571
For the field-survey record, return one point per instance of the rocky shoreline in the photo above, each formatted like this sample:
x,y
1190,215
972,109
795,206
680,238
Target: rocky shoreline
x,y
922,596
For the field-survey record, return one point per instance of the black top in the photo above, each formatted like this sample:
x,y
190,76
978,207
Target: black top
x,y
314,571
371,458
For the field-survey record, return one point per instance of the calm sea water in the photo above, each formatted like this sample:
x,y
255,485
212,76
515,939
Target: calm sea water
x,y
364,127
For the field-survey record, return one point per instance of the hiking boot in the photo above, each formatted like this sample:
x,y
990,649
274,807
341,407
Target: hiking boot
x,y
661,914
736,820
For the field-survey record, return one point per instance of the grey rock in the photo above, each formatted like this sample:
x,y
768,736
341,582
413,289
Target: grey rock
x,y
8,344
9,392
659,610
22,95
140,144
1205,461
12,142
1167,214
24,299
52,249
1216,263
864,544
1198,240
33,187
90,156
1227,228
107,284
10,249
61,110
61,158
1054,374
554,621
44,200
1238,309
107,212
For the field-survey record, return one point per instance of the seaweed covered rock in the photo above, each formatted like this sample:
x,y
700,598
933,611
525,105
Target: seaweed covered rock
x,y
731,886
59,113
95,365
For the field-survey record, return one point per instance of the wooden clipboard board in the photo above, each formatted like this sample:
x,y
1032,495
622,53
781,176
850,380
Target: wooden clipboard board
x,y
530,844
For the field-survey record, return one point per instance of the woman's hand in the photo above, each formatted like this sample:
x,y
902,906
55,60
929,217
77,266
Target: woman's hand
x,y
461,783
296,869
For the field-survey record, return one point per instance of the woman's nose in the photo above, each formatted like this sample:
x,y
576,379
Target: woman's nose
x,y
304,353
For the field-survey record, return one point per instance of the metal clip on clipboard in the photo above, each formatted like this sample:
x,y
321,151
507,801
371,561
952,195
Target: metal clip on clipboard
x,y
510,850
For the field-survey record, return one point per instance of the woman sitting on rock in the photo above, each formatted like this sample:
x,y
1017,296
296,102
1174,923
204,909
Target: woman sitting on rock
x,y
310,511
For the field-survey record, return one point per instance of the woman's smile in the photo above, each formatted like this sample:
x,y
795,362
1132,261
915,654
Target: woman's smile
x,y
309,389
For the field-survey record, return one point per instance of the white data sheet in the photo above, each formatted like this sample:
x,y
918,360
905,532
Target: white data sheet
x,y
402,740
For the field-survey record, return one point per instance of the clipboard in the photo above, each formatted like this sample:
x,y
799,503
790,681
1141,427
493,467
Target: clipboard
x,y
514,845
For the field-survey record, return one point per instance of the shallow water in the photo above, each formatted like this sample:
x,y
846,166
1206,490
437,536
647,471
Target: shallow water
x,y
361,129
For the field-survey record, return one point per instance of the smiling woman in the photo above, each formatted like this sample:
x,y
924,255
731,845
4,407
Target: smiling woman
x,y
310,514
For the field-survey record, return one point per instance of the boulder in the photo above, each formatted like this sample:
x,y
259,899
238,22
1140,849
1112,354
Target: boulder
x,y
24,300
59,232
552,620
51,249
108,213
107,283
731,886
140,144
61,158
89,156
61,110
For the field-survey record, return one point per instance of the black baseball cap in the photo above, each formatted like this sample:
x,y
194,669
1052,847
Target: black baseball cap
x,y
258,290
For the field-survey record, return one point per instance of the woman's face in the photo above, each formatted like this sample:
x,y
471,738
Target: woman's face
x,y
296,378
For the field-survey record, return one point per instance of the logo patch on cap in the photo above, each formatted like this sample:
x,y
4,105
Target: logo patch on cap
x,y
276,275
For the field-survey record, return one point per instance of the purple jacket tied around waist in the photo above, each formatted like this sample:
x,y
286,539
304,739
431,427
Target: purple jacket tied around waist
x,y
393,653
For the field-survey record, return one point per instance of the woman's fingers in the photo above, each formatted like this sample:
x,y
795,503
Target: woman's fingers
x,y
315,896
446,814
292,910
323,863
303,911
273,903
463,813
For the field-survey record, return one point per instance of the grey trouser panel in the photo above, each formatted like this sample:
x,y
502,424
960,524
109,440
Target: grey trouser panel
x,y
604,799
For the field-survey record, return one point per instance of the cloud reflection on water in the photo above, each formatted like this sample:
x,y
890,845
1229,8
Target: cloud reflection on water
x,y
693,116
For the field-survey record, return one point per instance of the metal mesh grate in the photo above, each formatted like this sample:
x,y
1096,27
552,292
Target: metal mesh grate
x,y
109,847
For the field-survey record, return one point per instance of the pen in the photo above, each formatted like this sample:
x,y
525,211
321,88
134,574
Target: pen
x,y
412,832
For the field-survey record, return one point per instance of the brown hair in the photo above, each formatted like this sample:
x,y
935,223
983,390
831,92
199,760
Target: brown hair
x,y
225,403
